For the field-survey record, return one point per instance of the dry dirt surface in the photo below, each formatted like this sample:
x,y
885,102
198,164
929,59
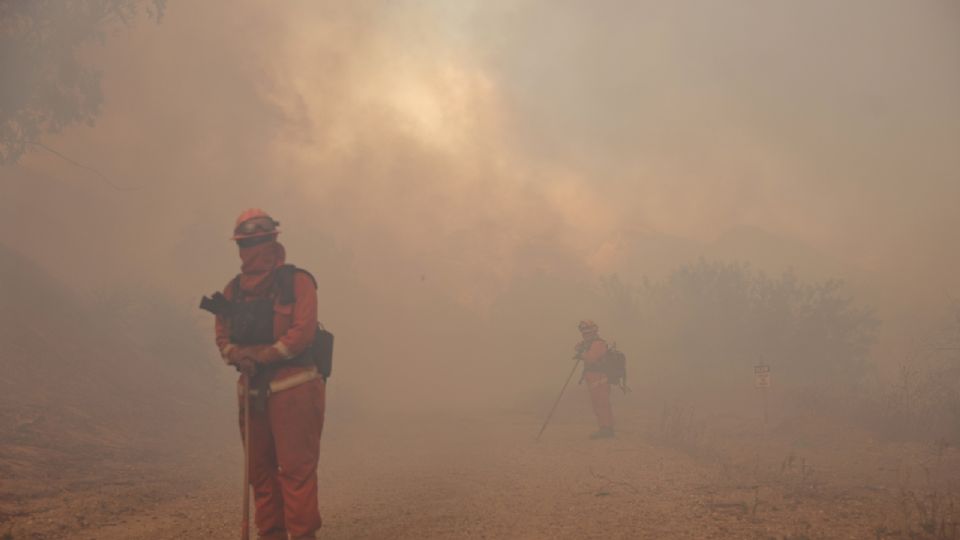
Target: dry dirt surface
x,y
485,477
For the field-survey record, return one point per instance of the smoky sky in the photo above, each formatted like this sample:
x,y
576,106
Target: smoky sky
x,y
834,123
433,152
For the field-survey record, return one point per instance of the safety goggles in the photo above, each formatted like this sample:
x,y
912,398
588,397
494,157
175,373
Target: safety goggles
x,y
256,225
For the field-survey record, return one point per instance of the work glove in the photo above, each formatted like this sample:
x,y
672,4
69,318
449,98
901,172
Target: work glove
x,y
233,353
246,366
240,358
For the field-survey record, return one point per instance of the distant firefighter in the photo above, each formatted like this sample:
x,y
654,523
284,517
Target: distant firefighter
x,y
593,351
266,327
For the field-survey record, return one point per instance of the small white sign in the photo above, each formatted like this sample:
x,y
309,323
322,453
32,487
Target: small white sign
x,y
761,376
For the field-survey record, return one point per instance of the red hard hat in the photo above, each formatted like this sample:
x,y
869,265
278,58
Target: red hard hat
x,y
254,223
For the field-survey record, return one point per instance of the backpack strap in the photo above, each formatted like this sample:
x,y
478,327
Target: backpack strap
x,y
285,277
236,293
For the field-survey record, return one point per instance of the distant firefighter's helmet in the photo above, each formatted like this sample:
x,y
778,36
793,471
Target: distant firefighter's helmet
x,y
587,326
254,223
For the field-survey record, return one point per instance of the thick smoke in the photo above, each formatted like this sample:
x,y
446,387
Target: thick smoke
x,y
431,163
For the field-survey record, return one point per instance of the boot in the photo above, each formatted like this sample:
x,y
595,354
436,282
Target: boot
x,y
602,433
274,534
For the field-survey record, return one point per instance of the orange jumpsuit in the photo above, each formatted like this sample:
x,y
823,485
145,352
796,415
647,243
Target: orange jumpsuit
x,y
598,387
285,438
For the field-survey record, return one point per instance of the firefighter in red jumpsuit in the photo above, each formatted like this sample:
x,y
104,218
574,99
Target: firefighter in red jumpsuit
x,y
592,350
266,335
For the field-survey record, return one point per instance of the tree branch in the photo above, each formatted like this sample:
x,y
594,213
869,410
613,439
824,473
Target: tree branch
x,y
88,168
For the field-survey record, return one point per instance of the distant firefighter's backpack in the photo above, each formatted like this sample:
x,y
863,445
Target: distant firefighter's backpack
x,y
615,367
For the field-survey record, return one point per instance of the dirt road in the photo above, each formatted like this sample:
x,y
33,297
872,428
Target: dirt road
x,y
483,477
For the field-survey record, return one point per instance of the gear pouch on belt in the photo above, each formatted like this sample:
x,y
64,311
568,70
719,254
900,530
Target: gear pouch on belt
x,y
322,351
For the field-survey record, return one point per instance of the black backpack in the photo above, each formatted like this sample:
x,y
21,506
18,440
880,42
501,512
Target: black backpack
x,y
615,367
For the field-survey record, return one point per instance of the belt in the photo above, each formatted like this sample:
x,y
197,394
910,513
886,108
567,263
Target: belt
x,y
288,382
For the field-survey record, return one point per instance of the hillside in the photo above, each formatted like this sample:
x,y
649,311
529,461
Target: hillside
x,y
94,384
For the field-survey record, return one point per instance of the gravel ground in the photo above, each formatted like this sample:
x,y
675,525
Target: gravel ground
x,y
485,477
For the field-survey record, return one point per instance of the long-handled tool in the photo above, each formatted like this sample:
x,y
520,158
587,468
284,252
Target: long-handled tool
x,y
245,526
557,402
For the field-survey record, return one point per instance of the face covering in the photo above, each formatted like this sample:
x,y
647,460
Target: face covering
x,y
258,264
